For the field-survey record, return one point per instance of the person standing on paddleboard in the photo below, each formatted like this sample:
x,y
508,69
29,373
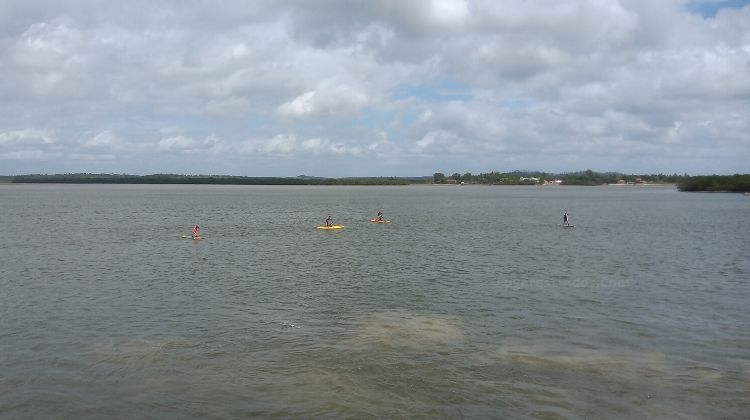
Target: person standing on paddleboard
x,y
565,219
380,215
195,232
329,221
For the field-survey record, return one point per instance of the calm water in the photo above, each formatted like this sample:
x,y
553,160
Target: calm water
x,y
473,303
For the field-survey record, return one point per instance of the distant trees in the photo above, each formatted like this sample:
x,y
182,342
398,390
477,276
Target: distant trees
x,y
738,182
587,177
209,179
732,183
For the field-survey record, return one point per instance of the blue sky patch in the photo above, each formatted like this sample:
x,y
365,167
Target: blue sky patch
x,y
709,9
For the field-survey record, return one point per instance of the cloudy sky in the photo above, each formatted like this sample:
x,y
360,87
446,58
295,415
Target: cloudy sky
x,y
374,87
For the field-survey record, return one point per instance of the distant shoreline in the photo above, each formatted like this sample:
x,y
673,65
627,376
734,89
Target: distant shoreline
x,y
170,179
738,183
330,182
717,183
421,184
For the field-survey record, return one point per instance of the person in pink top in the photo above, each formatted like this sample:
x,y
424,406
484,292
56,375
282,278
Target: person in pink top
x,y
195,231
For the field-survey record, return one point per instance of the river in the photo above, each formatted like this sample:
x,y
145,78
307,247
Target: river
x,y
472,303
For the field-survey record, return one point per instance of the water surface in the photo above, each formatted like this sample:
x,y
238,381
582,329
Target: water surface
x,y
473,302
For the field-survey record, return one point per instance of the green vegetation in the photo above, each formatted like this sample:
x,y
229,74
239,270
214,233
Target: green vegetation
x,y
737,183
210,179
729,183
587,177
590,177
492,178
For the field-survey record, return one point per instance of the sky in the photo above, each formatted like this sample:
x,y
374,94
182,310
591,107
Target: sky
x,y
374,87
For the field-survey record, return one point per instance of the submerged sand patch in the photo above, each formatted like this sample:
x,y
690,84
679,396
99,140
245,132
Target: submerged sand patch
x,y
397,328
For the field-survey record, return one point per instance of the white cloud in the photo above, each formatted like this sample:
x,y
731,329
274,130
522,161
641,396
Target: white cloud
x,y
188,145
26,137
384,148
439,141
176,143
289,145
280,144
50,40
301,106
328,98
463,82
425,116
106,139
321,146
30,155
92,157
233,107
450,12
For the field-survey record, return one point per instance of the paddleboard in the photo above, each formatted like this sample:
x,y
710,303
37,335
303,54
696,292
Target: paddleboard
x,y
568,226
334,227
380,221
198,238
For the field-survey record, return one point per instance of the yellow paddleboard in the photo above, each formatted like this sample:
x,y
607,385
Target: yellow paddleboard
x,y
334,227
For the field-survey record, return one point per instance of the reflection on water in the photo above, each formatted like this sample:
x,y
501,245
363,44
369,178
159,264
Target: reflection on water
x,y
472,303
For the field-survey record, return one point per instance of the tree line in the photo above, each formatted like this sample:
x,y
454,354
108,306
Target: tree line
x,y
209,179
587,177
729,183
735,183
